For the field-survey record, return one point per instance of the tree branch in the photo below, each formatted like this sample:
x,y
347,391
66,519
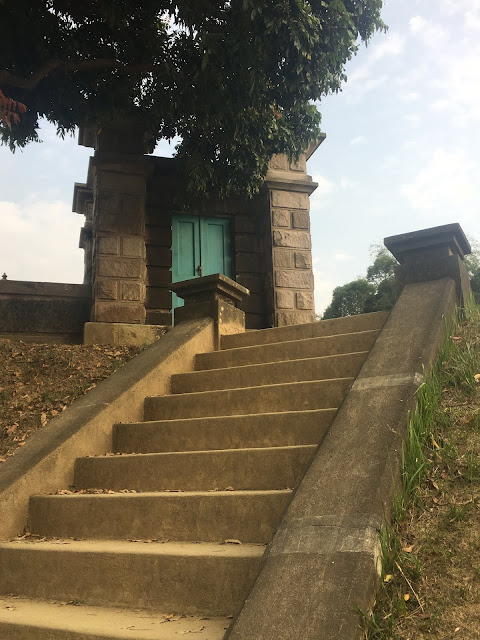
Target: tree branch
x,y
29,83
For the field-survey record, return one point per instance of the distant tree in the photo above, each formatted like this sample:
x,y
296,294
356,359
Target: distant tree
x,y
472,262
351,299
236,80
375,293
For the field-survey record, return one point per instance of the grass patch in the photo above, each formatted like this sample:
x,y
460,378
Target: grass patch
x,y
430,585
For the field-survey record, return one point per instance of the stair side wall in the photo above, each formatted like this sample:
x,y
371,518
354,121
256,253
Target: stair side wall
x,y
46,462
324,559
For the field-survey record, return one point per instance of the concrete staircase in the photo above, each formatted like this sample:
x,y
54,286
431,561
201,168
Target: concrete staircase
x,y
176,519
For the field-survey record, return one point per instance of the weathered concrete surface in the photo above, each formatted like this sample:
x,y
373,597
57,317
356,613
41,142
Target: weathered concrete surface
x,y
432,254
273,468
224,432
345,365
121,333
335,326
24,619
299,396
324,558
190,578
210,516
290,350
46,462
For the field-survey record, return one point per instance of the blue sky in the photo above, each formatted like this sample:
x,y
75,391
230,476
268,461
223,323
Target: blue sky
x,y
401,154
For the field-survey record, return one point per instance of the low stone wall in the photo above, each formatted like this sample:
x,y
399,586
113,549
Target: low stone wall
x,y
44,311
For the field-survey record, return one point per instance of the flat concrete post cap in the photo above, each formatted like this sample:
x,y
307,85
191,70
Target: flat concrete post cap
x,y
447,239
208,286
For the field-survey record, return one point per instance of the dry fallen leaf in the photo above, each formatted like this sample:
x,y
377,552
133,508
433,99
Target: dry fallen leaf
x,y
406,597
477,377
388,577
232,541
43,419
408,549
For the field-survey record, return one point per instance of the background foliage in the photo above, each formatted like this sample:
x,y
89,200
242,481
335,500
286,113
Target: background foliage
x,y
234,79
377,292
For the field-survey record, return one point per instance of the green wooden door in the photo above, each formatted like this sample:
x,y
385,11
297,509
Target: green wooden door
x,y
200,246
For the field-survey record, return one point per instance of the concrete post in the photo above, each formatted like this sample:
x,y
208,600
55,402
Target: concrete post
x,y
214,296
432,254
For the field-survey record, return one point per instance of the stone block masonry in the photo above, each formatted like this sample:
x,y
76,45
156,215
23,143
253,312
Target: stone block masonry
x,y
119,254
289,188
292,260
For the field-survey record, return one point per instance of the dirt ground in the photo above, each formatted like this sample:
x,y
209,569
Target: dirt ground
x,y
442,534
39,381
432,589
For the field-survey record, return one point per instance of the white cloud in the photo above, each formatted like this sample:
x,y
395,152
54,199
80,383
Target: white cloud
x,y
342,257
446,184
412,118
325,187
430,34
348,183
324,287
452,7
392,44
367,77
358,140
39,241
459,86
410,96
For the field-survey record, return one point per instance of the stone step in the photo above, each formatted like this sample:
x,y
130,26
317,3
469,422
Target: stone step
x,y
24,619
335,326
242,469
327,367
248,516
178,577
296,396
224,432
290,350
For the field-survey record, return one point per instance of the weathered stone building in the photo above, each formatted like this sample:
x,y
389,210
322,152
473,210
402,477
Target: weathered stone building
x,y
137,243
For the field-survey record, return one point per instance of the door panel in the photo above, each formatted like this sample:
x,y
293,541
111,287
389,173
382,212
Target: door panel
x,y
215,246
200,242
185,251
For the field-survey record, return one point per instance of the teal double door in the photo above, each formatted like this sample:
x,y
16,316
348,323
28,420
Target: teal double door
x,y
200,246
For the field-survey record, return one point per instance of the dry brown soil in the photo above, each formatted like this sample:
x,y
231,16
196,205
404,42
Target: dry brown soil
x,y
39,381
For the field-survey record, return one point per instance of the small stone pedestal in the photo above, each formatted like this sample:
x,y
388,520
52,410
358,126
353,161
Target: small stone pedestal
x,y
432,254
214,296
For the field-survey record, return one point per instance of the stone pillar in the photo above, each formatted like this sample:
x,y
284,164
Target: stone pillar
x,y
214,296
119,269
432,254
83,203
289,189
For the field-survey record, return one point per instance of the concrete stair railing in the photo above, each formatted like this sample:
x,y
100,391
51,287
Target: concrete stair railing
x,y
216,460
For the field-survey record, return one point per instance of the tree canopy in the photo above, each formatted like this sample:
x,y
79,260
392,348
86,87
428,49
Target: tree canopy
x,y
376,292
236,80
